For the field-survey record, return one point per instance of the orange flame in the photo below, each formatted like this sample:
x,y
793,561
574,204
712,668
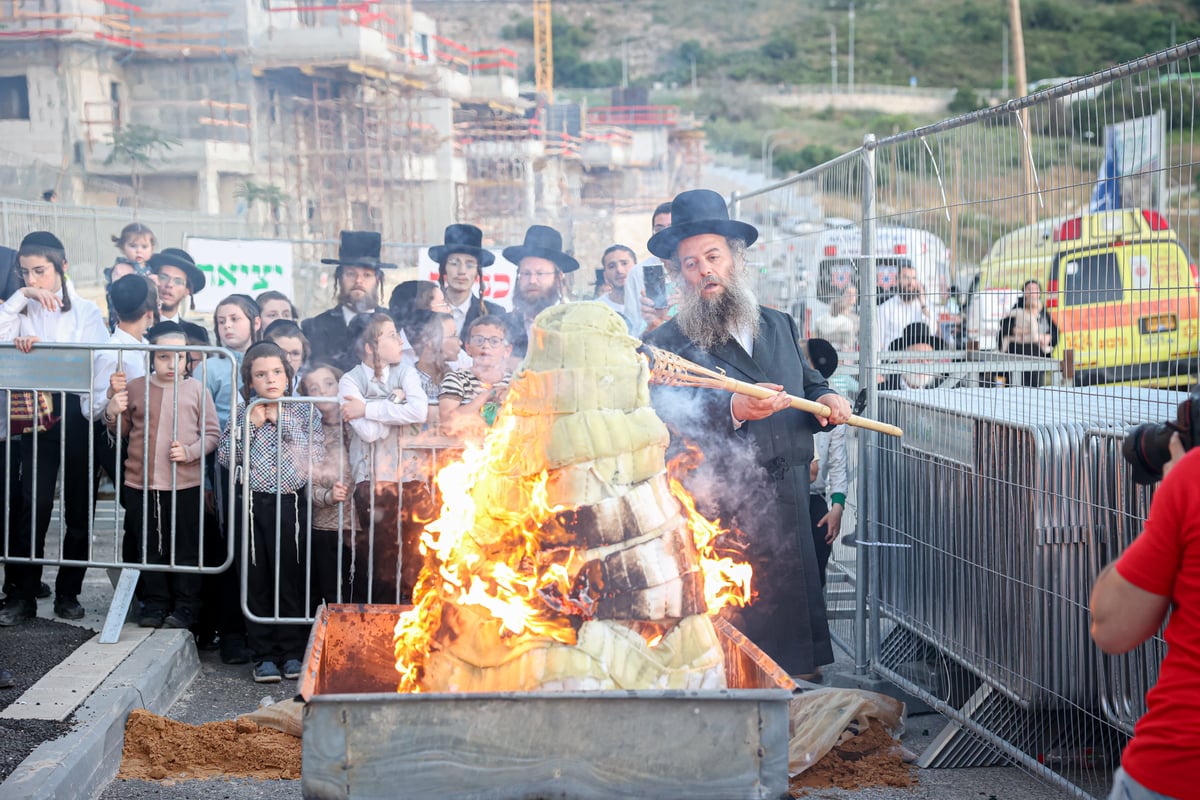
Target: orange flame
x,y
492,558
485,557
726,580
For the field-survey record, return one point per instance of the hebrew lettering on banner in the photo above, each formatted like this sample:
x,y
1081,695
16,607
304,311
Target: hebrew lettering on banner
x,y
244,278
240,266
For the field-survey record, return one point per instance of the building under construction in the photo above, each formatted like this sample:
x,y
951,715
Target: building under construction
x,y
315,117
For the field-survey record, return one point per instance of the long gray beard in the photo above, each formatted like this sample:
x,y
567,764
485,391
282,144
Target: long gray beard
x,y
532,306
710,323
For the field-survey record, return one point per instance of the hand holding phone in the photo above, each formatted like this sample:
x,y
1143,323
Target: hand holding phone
x,y
656,284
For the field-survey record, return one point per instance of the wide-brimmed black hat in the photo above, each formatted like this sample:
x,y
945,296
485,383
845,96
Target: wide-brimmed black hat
x,y
542,242
359,249
174,257
823,356
693,213
128,294
916,333
465,239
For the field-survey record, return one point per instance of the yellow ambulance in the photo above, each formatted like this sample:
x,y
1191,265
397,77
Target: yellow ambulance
x,y
1118,284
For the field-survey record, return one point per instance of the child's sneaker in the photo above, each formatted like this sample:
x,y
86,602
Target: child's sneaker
x,y
292,669
151,618
266,672
179,618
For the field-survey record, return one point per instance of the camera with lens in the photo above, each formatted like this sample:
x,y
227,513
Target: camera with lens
x,y
1147,447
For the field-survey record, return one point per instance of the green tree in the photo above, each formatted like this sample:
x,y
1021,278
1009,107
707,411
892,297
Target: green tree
x,y
140,146
964,101
270,195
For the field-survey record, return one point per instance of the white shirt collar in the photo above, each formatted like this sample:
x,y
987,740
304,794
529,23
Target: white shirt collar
x,y
742,334
349,313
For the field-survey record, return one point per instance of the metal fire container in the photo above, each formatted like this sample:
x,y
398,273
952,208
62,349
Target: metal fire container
x,y
364,740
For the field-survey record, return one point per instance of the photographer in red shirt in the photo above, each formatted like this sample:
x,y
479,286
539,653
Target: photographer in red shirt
x,y
1160,570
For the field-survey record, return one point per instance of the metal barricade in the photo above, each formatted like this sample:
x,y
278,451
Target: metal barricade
x,y
1119,507
993,504
78,444
366,564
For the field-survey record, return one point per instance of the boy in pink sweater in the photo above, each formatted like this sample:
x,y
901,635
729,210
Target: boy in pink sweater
x,y
172,425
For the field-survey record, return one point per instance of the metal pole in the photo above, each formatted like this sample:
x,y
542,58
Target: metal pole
x,y
1004,63
833,58
1014,10
624,64
763,150
850,68
865,561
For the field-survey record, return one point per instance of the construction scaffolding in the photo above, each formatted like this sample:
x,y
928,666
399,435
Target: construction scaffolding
x,y
350,150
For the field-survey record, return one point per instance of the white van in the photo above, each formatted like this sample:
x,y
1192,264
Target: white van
x,y
832,265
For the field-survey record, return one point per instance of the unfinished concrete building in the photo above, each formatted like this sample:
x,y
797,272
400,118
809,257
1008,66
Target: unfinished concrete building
x,y
315,118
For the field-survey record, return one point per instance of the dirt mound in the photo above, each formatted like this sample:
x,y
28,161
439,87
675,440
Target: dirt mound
x,y
870,759
158,748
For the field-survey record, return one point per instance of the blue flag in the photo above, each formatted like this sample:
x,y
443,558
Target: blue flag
x,y
1107,194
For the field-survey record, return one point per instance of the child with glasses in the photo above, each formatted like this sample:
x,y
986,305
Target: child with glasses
x,y
472,397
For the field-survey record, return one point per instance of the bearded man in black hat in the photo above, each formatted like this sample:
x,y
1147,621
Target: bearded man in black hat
x,y
178,280
541,267
756,477
461,259
359,281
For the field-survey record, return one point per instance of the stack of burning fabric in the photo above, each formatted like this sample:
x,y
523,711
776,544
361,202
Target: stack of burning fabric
x,y
565,558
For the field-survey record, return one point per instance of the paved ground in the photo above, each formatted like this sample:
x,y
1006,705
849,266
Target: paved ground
x,y
29,652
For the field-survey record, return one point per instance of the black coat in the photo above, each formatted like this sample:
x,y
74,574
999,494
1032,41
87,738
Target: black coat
x,y
476,309
756,479
10,275
330,339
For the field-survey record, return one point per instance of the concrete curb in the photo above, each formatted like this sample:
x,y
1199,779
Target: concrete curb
x,y
82,763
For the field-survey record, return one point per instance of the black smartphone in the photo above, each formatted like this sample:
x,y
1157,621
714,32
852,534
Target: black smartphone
x,y
599,283
656,284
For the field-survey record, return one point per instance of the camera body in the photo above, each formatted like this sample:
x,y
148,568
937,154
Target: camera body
x,y
1147,447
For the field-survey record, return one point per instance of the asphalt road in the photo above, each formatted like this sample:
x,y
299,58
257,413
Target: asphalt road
x,y
29,651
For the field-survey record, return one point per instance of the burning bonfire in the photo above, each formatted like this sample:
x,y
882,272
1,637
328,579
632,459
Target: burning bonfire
x,y
565,557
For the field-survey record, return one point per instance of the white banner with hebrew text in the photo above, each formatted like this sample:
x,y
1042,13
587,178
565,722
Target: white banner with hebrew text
x,y
240,266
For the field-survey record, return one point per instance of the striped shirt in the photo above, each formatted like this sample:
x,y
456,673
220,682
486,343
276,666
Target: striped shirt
x,y
465,384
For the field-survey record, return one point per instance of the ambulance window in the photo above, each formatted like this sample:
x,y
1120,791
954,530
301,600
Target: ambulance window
x,y
1091,279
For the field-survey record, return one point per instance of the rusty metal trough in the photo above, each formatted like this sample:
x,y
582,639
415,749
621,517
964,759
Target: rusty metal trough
x,y
364,740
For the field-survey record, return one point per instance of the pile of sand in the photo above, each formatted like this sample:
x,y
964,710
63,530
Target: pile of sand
x,y
873,758
158,748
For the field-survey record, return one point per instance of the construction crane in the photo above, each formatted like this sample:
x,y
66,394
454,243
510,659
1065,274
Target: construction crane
x,y
543,51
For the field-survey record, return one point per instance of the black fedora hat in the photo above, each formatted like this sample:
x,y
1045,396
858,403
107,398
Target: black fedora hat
x,y
542,242
916,333
465,239
174,257
823,356
359,249
693,213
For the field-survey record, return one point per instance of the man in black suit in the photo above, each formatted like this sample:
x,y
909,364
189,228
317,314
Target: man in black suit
x,y
542,266
359,282
758,450
461,259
